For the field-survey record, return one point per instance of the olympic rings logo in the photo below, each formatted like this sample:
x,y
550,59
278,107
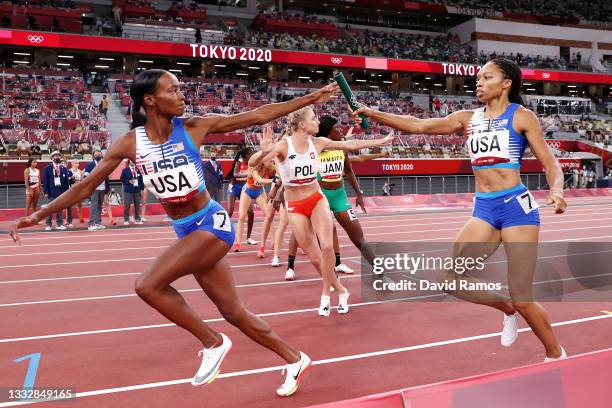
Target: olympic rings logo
x,y
545,75
407,200
555,144
336,60
36,39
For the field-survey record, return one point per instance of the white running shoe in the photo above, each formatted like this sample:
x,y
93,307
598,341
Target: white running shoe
x,y
100,226
295,372
211,362
92,227
563,355
510,331
126,223
290,274
325,306
251,241
275,261
48,228
61,227
139,222
343,306
342,268
143,219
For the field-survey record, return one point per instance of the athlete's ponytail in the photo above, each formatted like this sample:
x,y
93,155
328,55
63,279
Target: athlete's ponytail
x,y
512,72
144,83
241,154
326,124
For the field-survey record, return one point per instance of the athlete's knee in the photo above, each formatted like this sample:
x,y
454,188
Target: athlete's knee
x,y
144,288
524,308
234,314
327,247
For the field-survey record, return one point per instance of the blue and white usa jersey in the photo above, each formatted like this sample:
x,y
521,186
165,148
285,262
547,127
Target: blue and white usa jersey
x,y
493,143
172,171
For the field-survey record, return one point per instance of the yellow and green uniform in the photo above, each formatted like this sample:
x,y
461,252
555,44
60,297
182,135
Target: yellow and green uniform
x,y
331,169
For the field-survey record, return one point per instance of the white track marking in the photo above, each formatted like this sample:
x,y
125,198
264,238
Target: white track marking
x,y
333,360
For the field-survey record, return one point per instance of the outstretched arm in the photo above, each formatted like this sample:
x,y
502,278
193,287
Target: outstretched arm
x,y
527,123
202,125
323,143
122,148
257,177
365,157
439,126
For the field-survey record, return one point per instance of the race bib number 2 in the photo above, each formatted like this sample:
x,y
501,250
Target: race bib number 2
x,y
221,221
527,202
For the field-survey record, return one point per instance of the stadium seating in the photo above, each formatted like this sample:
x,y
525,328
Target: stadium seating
x,y
53,112
284,23
39,14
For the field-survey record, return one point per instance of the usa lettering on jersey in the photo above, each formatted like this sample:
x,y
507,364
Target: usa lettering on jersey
x,y
174,185
488,148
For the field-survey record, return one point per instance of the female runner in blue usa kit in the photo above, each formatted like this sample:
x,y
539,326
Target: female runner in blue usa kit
x,y
166,148
504,210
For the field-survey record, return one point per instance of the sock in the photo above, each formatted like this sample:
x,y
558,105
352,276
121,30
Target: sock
x,y
290,262
337,258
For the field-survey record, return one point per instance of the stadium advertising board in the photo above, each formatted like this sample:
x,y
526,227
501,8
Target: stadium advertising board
x,y
250,54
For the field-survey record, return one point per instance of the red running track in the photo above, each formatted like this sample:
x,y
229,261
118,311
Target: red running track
x,y
69,296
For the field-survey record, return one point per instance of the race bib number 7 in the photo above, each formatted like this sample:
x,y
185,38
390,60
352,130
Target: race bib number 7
x,y
221,221
527,202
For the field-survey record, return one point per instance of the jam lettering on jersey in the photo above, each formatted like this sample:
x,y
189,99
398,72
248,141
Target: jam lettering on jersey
x,y
331,165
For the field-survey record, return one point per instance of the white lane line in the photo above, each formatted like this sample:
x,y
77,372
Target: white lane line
x,y
155,326
122,232
286,232
110,275
316,362
246,285
115,241
410,298
455,229
369,235
249,285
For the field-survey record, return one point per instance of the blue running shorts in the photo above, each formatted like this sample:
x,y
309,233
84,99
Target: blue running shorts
x,y
507,208
236,189
211,218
